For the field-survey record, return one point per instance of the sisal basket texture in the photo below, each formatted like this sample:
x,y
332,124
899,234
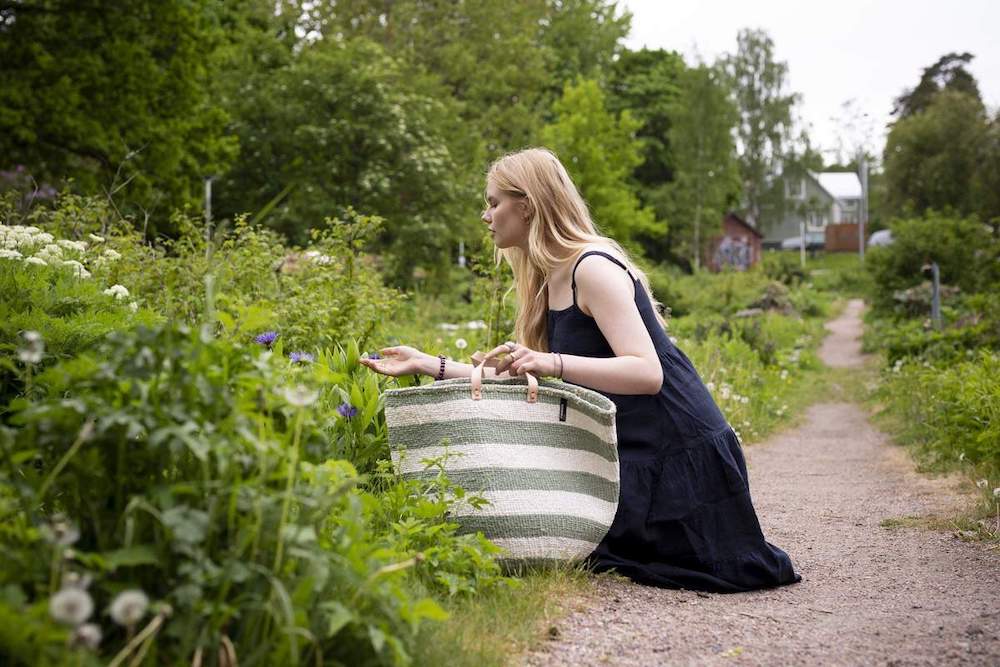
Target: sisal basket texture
x,y
549,468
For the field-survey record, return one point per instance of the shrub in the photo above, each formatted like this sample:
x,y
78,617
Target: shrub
x,y
965,250
205,473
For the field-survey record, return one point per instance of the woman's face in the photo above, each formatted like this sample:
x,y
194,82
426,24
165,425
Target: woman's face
x,y
506,218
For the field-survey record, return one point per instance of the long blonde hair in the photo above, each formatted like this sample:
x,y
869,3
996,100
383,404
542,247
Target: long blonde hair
x,y
559,227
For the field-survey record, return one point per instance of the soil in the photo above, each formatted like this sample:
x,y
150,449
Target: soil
x,y
885,581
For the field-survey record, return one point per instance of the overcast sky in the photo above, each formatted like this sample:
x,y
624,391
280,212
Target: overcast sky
x,y
866,50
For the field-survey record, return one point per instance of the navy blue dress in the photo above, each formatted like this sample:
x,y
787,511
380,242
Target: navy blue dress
x,y
685,518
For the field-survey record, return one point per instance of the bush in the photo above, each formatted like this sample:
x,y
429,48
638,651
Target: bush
x,y
965,250
206,473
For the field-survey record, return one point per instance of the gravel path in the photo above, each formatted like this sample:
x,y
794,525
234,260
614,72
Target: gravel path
x,y
876,589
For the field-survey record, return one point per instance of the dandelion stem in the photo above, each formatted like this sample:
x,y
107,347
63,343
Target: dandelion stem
x,y
286,503
148,632
85,431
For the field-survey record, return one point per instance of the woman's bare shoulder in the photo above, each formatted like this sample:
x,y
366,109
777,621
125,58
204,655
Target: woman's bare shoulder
x,y
614,252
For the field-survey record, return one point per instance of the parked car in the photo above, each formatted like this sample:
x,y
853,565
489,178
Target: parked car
x,y
881,237
814,241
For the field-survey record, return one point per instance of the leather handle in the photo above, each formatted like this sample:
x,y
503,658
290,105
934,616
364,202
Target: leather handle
x,y
477,376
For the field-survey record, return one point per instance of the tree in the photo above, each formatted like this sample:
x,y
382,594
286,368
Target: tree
x,y
600,151
340,126
948,73
764,130
116,100
932,158
582,38
706,177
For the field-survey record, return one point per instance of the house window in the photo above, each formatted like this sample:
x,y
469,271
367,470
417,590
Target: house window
x,y
796,188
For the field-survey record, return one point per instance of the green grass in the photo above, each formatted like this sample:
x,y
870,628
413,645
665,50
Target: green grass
x,y
496,628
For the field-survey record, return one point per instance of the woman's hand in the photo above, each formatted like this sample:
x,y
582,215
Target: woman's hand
x,y
397,361
525,360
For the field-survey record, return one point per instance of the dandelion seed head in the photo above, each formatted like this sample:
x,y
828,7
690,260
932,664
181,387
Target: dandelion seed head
x,y
87,636
129,607
71,606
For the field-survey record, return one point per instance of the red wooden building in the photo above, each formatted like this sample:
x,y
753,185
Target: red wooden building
x,y
737,247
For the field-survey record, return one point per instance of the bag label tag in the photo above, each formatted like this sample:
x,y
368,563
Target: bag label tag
x,y
562,409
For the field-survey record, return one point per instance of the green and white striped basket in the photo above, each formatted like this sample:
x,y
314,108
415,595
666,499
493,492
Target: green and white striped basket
x,y
549,468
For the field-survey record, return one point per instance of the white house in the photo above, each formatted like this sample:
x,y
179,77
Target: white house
x,y
819,199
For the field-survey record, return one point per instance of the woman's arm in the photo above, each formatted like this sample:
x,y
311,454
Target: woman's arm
x,y
608,293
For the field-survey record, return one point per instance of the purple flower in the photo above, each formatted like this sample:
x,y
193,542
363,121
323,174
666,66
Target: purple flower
x,y
301,358
374,355
347,410
266,338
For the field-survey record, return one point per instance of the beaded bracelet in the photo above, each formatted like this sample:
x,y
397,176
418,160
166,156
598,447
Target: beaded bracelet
x,y
440,375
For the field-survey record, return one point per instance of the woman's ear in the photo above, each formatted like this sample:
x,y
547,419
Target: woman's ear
x,y
526,209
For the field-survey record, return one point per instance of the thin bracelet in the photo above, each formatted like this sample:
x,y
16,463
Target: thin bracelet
x,y
440,375
559,354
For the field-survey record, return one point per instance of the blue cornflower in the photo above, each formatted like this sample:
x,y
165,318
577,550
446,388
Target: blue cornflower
x,y
301,358
374,355
266,338
347,410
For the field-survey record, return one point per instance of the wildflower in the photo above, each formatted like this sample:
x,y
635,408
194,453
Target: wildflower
x,y
95,238
301,358
41,237
461,344
346,410
118,291
33,349
71,606
983,483
60,531
133,306
110,254
37,261
744,399
710,386
78,246
129,607
673,340
9,254
961,456
374,355
87,635
996,492
784,374
475,324
300,396
267,338
79,270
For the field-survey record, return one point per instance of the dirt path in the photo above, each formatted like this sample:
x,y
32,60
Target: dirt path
x,y
876,589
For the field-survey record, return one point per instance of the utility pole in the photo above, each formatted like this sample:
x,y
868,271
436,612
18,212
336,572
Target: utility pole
x,y
863,213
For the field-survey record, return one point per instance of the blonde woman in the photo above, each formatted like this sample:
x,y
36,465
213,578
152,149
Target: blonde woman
x,y
586,315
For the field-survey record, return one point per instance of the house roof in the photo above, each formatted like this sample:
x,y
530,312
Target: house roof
x,y
736,218
840,184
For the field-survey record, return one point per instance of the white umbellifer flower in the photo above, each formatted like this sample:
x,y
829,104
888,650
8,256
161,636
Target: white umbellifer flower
x,y
744,399
983,483
111,254
33,349
475,324
461,344
129,607
37,261
71,606
300,395
9,254
95,238
323,260
53,249
118,291
79,270
43,237
133,306
66,244
87,635
784,374
27,230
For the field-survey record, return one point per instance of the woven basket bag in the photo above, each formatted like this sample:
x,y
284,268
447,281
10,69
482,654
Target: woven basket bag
x,y
543,454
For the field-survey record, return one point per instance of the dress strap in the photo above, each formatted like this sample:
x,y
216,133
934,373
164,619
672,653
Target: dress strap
x,y
595,252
